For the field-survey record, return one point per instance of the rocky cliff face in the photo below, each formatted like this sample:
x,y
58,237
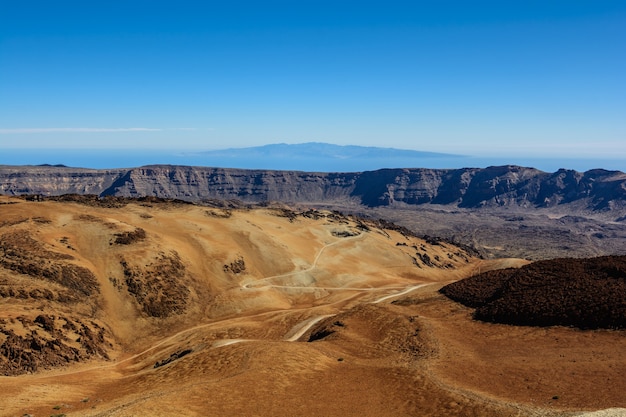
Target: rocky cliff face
x,y
48,180
193,183
467,188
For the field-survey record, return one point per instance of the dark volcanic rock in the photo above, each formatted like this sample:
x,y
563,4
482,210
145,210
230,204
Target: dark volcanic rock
x,y
20,253
584,293
50,344
193,183
159,287
173,357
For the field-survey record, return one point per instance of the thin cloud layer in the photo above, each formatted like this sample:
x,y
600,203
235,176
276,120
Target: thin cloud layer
x,y
87,130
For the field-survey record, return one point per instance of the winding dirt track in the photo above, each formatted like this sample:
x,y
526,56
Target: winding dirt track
x,y
423,355
292,336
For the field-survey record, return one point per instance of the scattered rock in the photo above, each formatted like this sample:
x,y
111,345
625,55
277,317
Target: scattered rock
x,y
174,356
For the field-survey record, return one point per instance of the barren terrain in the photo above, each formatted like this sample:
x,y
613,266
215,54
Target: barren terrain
x,y
540,233
149,307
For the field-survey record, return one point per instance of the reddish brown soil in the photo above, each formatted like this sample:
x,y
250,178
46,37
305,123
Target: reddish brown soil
x,y
197,318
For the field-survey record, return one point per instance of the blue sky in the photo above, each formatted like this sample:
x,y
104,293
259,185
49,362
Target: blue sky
x,y
537,78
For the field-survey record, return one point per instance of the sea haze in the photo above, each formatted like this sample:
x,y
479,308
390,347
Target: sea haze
x,y
313,157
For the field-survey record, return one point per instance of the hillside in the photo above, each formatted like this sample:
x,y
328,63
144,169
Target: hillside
x,y
97,268
583,293
120,307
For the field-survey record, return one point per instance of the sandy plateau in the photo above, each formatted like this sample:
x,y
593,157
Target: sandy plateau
x,y
146,307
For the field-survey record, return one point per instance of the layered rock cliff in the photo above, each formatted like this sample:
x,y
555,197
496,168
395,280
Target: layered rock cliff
x,y
466,188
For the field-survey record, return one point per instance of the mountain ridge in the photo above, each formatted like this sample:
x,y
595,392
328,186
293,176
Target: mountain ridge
x,y
497,186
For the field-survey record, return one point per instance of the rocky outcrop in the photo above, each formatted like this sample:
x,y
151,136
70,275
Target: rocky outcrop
x,y
52,180
466,188
47,342
193,183
21,253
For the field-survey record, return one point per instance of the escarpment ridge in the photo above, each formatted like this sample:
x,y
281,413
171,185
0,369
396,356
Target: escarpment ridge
x,y
501,186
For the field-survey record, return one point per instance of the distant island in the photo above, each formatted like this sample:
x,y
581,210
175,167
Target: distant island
x,y
309,156
322,157
320,150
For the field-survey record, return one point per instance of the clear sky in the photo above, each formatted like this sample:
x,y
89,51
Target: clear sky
x,y
474,77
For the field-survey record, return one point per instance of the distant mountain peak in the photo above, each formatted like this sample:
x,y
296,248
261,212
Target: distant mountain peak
x,y
325,150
